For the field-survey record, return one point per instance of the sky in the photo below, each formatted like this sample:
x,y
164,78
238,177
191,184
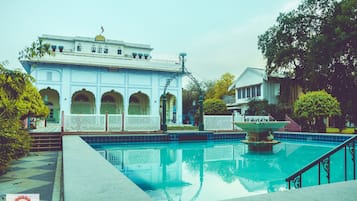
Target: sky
x,y
219,36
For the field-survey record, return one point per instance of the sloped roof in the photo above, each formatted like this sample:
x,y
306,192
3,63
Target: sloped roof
x,y
258,71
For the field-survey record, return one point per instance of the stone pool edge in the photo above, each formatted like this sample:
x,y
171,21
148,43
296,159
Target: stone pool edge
x,y
88,176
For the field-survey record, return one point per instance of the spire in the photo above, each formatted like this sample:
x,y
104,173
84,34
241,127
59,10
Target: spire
x,y
100,37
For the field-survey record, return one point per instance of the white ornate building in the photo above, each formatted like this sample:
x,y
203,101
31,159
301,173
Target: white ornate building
x,y
98,75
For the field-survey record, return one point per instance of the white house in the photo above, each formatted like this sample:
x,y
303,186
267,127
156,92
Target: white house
x,y
254,83
98,75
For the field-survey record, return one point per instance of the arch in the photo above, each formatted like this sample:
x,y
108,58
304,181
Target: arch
x,y
51,100
170,108
83,102
139,104
111,103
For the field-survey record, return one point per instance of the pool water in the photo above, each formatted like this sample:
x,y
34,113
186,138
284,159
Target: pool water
x,y
213,170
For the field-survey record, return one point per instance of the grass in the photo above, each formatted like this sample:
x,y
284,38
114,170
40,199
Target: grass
x,y
337,130
183,127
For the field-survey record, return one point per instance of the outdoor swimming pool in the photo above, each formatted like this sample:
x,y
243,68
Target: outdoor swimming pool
x,y
215,169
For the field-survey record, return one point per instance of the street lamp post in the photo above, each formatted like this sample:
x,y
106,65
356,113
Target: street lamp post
x,y
163,125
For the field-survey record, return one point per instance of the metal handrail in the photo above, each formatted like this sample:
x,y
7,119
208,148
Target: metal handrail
x,y
325,161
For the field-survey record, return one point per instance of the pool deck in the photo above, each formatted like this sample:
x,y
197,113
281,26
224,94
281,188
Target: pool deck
x,y
342,191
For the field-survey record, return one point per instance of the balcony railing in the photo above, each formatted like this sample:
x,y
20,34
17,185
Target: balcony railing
x,y
325,162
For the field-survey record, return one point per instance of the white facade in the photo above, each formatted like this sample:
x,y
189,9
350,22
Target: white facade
x,y
96,76
253,83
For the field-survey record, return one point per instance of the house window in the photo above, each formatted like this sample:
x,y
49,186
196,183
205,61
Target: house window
x,y
253,91
99,49
105,50
79,47
258,90
93,49
60,48
248,92
239,93
119,51
243,92
53,48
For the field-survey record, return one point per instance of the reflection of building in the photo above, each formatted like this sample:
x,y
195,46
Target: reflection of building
x,y
99,75
255,84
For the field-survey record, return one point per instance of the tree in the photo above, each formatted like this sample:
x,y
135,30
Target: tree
x,y
316,45
37,49
312,107
219,88
18,99
263,108
214,107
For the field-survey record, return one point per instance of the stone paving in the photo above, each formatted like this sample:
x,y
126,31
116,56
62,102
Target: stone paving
x,y
37,173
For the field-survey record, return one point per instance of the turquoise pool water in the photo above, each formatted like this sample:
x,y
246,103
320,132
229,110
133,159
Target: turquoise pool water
x,y
214,170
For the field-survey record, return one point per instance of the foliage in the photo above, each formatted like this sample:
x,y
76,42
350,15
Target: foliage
x,y
37,49
214,107
312,107
262,108
220,88
257,108
316,44
18,99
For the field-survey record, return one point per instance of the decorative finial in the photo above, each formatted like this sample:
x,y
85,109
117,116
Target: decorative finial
x,y
102,29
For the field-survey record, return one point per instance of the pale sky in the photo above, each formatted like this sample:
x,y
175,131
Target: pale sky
x,y
218,36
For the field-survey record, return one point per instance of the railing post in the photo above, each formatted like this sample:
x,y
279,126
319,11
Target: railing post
x,y
106,122
122,121
345,163
319,173
62,123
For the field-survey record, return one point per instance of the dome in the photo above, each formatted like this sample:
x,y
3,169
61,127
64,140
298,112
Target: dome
x,y
99,38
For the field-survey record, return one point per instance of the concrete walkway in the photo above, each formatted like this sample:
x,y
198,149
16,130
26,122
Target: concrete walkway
x,y
342,191
37,173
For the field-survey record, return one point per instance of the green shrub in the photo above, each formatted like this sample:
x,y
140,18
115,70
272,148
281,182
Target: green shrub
x,y
332,130
348,130
215,107
15,142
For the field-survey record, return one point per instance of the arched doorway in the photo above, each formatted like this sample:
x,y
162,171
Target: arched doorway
x,y
83,102
170,108
139,104
51,99
111,103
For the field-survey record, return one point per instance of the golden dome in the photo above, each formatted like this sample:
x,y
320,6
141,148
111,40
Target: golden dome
x,y
99,38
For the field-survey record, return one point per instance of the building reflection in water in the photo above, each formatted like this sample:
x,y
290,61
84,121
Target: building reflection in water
x,y
189,171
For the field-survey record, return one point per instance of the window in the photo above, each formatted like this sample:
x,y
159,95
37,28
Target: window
x,y
99,49
60,48
105,50
49,76
239,93
54,48
119,51
258,90
133,99
108,99
81,98
93,49
253,91
248,92
243,92
79,47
